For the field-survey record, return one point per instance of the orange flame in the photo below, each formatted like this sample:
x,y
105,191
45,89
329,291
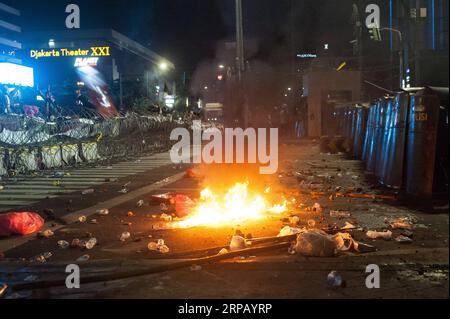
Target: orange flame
x,y
237,204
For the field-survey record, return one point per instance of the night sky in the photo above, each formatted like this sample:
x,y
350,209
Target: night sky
x,y
188,31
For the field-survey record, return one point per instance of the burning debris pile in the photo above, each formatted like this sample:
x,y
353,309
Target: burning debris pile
x,y
235,205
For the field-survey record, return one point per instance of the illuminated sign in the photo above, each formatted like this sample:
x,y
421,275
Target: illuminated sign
x,y
56,53
14,74
307,56
80,62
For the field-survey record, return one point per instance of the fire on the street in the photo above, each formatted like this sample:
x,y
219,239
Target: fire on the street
x,y
236,204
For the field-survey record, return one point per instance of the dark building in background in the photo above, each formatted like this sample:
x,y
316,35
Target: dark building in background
x,y
10,33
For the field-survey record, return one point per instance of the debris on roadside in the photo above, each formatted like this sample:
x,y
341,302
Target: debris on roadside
x,y
237,243
43,257
402,223
340,214
311,223
83,258
82,219
75,243
315,243
294,220
140,203
124,236
382,235
317,208
195,268
88,191
90,244
223,251
165,198
288,231
166,218
20,223
348,226
30,278
131,214
63,244
159,246
334,280
103,212
403,239
46,234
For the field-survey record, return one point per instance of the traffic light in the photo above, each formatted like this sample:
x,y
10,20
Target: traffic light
x,y
375,33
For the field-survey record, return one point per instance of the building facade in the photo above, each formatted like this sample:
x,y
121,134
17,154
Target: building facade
x,y
10,34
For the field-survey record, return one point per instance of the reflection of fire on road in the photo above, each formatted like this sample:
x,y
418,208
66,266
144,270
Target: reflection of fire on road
x,y
236,204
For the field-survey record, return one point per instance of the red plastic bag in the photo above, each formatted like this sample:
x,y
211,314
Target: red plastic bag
x,y
20,223
183,205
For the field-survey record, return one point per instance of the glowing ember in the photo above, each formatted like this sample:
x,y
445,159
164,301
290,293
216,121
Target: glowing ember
x,y
237,204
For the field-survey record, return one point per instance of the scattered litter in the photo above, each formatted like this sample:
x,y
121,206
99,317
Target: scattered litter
x,y
88,191
288,231
90,244
162,198
166,218
403,239
237,243
402,223
196,268
159,245
93,221
163,207
20,223
294,220
166,180
340,214
130,214
223,251
348,226
103,212
63,244
311,223
46,233
82,219
83,258
317,208
140,203
315,243
334,280
75,243
124,236
375,234
31,278
43,257
123,191
407,233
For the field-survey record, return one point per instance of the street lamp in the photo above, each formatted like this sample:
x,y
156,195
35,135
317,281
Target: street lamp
x,y
221,66
163,66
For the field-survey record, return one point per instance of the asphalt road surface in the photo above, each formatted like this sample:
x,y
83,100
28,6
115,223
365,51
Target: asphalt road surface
x,y
408,270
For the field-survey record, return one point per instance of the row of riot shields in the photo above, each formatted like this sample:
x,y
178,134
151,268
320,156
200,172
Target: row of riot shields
x,y
403,139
